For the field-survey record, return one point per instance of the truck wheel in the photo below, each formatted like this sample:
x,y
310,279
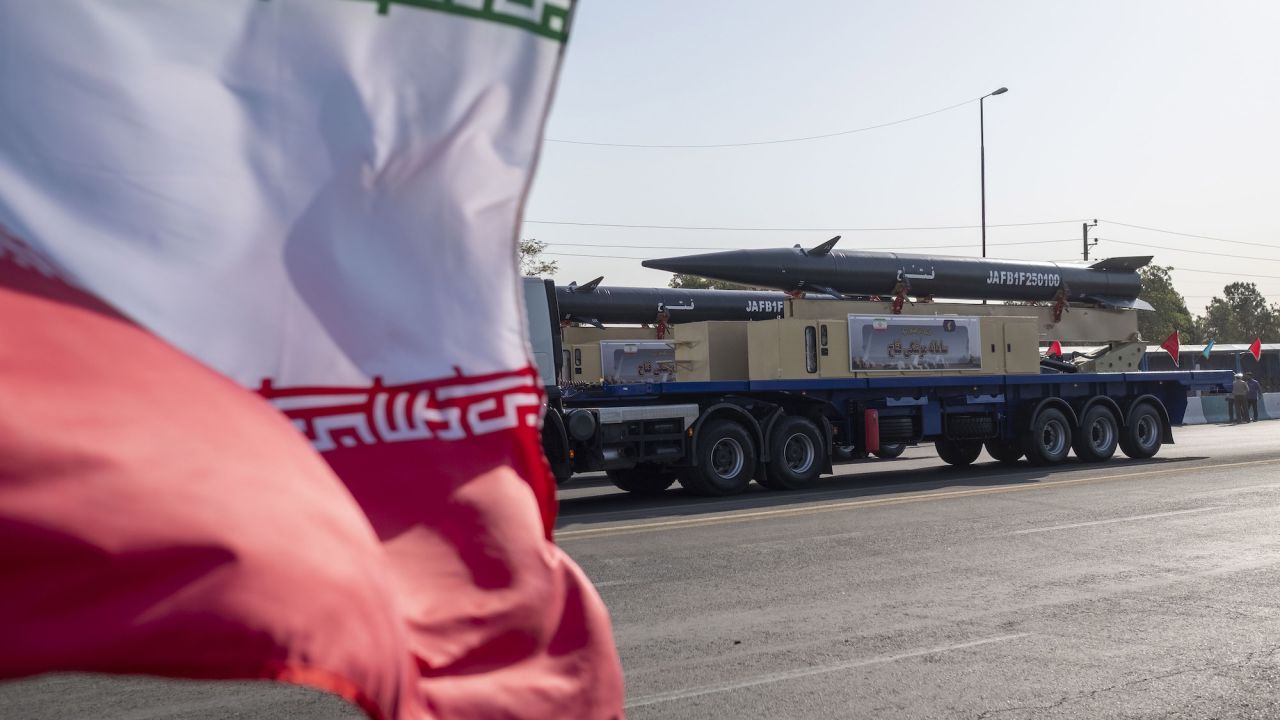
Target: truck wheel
x,y
1007,452
1141,438
1048,440
643,479
1097,436
959,453
725,461
890,451
796,454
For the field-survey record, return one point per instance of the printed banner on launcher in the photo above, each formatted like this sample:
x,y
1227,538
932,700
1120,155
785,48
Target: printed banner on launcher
x,y
914,343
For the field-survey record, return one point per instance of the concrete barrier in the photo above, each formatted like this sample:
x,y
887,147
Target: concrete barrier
x,y
1211,409
1195,412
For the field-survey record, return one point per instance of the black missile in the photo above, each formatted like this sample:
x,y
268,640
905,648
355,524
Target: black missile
x,y
839,273
593,304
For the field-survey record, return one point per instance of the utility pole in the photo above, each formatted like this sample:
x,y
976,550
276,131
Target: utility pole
x,y
1085,227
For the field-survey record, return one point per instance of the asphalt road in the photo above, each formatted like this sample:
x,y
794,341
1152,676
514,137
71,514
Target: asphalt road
x,y
902,589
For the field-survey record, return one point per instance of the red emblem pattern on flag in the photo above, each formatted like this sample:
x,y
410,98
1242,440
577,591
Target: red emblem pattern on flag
x,y
1255,349
441,411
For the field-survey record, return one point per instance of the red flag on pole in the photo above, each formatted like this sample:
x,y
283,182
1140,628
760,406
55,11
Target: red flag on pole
x,y
1256,349
1055,349
1172,346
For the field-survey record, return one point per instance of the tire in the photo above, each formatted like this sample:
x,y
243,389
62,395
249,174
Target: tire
x,y
725,460
844,453
960,453
1007,452
555,445
643,479
797,454
1098,435
1142,437
1048,440
890,451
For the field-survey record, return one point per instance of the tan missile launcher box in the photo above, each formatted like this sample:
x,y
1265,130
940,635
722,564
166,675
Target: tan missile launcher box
x,y
584,348
1078,325
582,334
891,345
711,351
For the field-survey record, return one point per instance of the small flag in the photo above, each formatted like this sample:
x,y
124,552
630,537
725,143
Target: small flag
x,y
1055,349
1208,348
1256,349
1171,346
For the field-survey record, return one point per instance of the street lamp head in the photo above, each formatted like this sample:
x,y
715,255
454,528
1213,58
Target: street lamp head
x,y
1001,91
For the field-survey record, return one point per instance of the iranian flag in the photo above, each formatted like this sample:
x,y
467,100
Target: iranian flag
x,y
237,236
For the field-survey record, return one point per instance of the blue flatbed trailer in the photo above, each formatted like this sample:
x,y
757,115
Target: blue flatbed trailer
x,y
715,437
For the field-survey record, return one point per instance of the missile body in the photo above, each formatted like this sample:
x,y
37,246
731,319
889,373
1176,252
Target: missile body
x,y
634,306
1112,283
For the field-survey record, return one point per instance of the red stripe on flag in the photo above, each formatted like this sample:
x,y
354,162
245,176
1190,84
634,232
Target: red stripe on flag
x,y
156,518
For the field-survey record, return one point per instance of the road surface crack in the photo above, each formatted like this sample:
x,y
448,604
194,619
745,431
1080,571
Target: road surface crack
x,y
1090,694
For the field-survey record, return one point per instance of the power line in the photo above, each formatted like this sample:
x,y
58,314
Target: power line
x,y
1190,235
1232,274
725,249
606,257
765,142
793,229
1183,250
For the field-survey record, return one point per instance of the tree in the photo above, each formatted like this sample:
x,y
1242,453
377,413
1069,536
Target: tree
x,y
531,262
1241,315
1170,308
694,282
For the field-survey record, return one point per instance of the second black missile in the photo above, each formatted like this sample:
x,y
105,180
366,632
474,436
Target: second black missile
x,y
592,304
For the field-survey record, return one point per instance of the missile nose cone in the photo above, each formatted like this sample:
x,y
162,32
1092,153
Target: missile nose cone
x,y
687,264
735,266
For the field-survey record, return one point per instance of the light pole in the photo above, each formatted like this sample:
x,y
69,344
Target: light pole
x,y
982,153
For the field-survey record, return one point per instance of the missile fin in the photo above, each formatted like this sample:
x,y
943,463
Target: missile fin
x,y
1122,264
588,288
1120,303
824,248
585,321
823,289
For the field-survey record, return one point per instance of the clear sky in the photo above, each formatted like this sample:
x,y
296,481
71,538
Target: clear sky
x,y
1161,113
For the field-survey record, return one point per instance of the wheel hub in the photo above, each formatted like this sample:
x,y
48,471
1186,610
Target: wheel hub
x,y
1102,434
727,458
1053,439
798,453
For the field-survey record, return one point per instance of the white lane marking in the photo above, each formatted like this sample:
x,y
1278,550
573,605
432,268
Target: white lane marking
x,y
574,533
613,583
1114,520
805,672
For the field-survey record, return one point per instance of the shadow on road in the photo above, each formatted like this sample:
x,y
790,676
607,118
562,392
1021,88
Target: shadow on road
x,y
841,486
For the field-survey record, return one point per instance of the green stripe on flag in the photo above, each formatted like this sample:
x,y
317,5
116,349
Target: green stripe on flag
x,y
548,18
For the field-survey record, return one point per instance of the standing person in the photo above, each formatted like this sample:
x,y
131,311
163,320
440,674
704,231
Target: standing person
x,y
1240,398
1255,394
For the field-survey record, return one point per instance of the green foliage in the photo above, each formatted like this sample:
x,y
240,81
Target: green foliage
x,y
1170,308
694,282
1241,315
531,262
